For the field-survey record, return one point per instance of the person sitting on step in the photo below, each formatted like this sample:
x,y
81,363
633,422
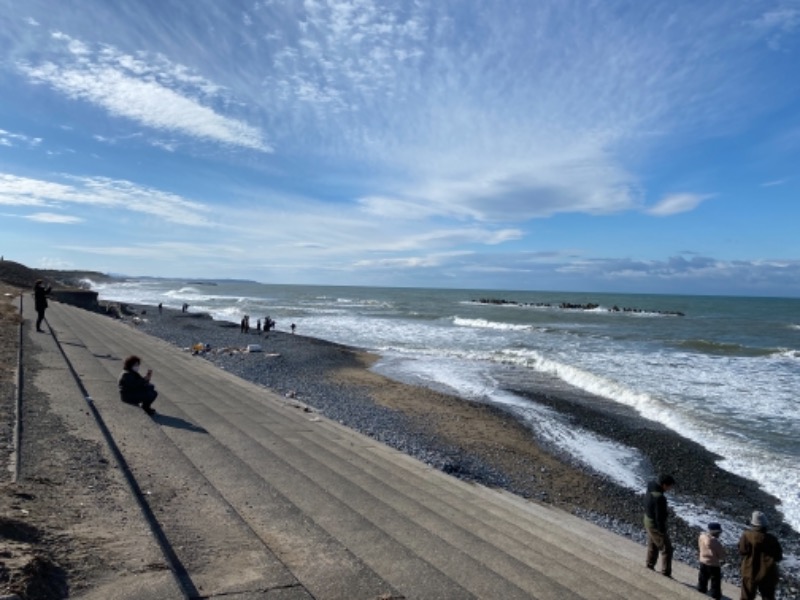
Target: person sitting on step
x,y
135,388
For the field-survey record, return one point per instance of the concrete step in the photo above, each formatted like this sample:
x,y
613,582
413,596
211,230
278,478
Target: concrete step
x,y
209,535
310,488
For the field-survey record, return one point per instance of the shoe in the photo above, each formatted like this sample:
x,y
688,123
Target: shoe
x,y
150,411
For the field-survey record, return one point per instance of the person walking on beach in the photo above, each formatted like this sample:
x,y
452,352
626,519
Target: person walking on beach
x,y
712,553
135,388
40,294
655,522
761,552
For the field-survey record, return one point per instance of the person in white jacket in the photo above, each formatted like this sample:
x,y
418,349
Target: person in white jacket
x,y
712,553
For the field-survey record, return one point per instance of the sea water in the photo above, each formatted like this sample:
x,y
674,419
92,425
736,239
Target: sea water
x,y
723,373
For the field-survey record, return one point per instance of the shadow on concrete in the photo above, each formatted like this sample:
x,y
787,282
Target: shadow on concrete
x,y
177,423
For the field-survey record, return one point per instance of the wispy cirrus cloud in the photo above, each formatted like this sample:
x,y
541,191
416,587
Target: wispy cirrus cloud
x,y
677,203
47,217
774,183
102,192
9,139
778,22
151,91
162,250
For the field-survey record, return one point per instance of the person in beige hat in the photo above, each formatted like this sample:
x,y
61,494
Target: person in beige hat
x,y
761,552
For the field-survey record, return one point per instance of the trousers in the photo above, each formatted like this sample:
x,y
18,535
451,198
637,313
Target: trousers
x,y
658,542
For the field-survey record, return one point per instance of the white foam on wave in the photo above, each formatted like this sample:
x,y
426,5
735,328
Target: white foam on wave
x,y
786,354
622,464
485,324
746,460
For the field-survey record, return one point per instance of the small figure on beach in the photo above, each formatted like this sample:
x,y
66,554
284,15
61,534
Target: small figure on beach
x,y
258,325
160,308
135,388
655,522
293,327
712,553
40,294
761,552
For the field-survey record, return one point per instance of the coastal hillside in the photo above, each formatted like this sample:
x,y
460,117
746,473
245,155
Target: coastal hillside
x,y
19,275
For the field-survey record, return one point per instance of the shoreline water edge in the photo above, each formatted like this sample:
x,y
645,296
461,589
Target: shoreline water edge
x,y
493,444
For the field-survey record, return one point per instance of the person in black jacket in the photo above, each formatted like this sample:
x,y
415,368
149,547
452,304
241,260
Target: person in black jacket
x,y
40,294
135,388
655,522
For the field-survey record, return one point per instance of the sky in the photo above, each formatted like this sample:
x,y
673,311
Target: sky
x,y
564,145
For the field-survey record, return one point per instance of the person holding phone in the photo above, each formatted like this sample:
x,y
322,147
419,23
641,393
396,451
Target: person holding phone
x,y
40,294
135,388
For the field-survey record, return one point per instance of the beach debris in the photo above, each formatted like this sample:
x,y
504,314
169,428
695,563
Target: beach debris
x,y
254,348
201,348
291,394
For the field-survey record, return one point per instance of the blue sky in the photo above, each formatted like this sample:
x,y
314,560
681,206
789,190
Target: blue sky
x,y
553,145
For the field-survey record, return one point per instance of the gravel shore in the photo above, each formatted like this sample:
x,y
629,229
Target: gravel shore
x,y
483,443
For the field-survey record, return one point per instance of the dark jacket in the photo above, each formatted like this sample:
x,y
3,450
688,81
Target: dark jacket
x,y
655,508
133,388
40,294
761,552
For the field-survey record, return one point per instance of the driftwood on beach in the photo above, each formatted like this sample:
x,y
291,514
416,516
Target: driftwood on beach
x,y
571,306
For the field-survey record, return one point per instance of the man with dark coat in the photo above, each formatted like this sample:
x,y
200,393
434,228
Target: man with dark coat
x,y
655,522
761,552
40,294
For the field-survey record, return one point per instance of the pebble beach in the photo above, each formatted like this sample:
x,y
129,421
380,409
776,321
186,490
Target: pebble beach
x,y
479,442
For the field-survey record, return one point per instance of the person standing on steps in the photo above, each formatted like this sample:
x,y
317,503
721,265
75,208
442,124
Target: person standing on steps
x,y
135,388
40,294
655,522
712,553
761,552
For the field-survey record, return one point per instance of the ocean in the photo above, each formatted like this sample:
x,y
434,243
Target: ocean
x,y
721,371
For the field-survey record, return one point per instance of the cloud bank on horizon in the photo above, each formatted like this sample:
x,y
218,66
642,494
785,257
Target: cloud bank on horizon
x,y
552,145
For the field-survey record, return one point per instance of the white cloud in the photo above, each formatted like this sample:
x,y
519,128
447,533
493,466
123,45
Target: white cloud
x,y
774,183
103,192
47,217
777,23
410,262
172,251
677,203
10,139
156,95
